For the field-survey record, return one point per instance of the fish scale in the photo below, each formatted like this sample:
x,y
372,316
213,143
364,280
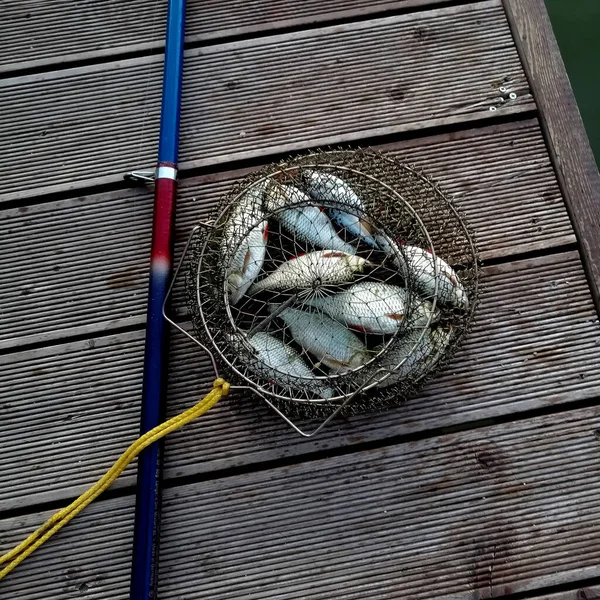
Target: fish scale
x,y
306,223
326,187
322,267
328,340
417,263
372,307
280,357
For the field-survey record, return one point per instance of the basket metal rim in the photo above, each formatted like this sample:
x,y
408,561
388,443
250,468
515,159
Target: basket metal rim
x,y
386,372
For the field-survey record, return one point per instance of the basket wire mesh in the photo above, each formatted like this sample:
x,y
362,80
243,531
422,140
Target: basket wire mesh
x,y
336,281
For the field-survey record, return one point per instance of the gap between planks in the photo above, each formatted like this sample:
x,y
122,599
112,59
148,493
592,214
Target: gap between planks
x,y
87,272
424,519
95,33
534,347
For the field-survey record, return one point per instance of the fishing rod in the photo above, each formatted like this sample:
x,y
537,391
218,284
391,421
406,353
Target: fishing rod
x,y
144,572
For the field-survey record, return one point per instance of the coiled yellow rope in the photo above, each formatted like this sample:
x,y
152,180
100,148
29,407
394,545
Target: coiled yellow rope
x,y
18,554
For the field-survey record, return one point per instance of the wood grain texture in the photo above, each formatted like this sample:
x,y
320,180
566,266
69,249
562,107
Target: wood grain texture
x,y
90,558
567,140
475,515
42,33
498,510
89,125
80,266
68,411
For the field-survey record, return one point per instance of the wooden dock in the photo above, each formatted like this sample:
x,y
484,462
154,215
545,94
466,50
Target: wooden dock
x,y
486,486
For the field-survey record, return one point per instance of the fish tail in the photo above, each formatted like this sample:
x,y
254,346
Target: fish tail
x,y
235,297
463,301
369,239
366,233
334,363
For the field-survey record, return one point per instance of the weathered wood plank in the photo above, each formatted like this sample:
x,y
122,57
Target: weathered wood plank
x,y
568,143
90,558
89,125
80,266
41,33
479,514
473,515
68,411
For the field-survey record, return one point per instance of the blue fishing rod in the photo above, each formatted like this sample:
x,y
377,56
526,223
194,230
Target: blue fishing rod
x,y
144,571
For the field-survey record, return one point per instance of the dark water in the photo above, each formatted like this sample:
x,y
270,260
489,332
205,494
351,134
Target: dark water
x,y
576,25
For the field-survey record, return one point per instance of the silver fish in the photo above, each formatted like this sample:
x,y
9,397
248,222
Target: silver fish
x,y
419,355
440,338
330,342
244,243
277,356
307,223
413,350
325,187
418,263
305,271
372,307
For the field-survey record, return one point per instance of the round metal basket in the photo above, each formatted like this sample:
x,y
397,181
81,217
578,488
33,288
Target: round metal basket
x,y
414,239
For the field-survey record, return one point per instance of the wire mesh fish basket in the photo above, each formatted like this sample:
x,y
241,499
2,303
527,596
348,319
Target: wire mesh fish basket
x,y
336,281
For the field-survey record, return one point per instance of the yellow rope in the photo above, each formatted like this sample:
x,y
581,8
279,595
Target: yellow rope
x,y
18,554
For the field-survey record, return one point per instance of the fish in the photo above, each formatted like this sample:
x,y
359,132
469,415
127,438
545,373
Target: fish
x,y
372,307
306,223
414,262
420,355
244,243
277,356
413,350
440,337
330,342
326,187
247,263
322,267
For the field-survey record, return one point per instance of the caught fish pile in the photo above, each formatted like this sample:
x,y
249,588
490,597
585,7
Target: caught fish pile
x,y
319,291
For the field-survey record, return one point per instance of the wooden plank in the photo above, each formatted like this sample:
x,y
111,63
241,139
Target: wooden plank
x,y
68,411
422,520
80,266
480,514
89,125
567,140
40,34
90,558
